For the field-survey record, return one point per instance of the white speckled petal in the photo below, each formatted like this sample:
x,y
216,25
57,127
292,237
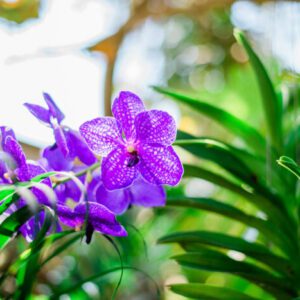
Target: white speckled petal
x,y
116,173
102,135
159,165
155,126
125,108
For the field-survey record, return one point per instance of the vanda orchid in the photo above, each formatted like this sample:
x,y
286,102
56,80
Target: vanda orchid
x,y
135,141
137,160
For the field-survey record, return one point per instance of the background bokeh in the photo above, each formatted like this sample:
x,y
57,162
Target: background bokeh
x,y
84,52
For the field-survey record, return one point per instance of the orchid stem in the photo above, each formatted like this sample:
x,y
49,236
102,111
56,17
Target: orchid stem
x,y
78,174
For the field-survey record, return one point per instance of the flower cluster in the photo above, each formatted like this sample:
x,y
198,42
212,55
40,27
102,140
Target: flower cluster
x,y
136,156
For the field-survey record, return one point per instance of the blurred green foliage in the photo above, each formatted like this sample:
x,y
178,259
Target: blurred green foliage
x,y
19,11
204,60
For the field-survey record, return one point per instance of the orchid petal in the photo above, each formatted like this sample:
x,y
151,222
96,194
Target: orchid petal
x,y
102,135
160,165
61,140
26,173
125,108
5,132
78,148
116,172
68,217
13,148
54,111
102,219
39,112
117,200
32,227
145,194
56,160
155,126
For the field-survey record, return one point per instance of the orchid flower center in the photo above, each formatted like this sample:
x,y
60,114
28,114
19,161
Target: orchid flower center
x,y
131,149
134,157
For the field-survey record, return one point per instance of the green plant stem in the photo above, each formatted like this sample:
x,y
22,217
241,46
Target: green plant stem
x,y
80,173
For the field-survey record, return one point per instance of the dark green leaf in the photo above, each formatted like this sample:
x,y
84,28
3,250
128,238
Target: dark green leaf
x,y
267,203
190,240
220,154
206,259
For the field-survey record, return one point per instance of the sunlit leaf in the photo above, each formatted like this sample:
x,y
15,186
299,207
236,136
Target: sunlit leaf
x,y
10,226
238,127
290,165
271,103
26,275
43,176
207,292
191,239
275,212
265,227
211,260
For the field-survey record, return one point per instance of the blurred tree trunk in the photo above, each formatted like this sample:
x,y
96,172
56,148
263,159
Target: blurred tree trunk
x,y
140,11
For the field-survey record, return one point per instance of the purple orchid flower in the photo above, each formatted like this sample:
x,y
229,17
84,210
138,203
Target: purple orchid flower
x,y
98,217
22,170
68,141
134,142
140,193
94,215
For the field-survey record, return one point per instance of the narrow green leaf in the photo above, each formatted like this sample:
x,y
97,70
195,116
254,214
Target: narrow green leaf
x,y
290,165
208,292
221,154
9,197
269,207
238,127
267,202
27,272
265,227
252,161
291,144
43,176
6,190
76,236
192,239
210,260
12,223
271,103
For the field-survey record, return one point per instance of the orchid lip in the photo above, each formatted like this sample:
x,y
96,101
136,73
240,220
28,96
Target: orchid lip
x,y
134,160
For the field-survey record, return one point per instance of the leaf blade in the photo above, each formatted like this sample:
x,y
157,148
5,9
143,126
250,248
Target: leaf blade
x,y
247,133
207,292
271,103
